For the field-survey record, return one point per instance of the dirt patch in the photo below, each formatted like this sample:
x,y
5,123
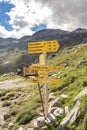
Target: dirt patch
x,y
14,83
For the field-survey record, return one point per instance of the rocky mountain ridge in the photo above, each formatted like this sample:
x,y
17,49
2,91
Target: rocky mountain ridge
x,y
14,51
64,37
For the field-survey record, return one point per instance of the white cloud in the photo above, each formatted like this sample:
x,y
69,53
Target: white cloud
x,y
61,14
25,15
15,34
3,32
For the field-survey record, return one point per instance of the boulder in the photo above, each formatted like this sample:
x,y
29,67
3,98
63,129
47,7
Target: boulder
x,y
10,126
63,89
21,128
44,127
63,96
52,109
58,112
18,95
55,102
35,124
50,118
70,117
38,122
66,109
51,96
82,93
81,63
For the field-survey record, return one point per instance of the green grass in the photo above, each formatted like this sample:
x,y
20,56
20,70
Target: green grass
x,y
6,103
8,77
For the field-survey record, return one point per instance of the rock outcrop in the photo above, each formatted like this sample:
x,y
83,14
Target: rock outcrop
x,y
82,93
70,117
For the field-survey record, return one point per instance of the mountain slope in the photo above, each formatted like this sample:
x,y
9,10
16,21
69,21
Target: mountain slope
x,y
14,51
73,74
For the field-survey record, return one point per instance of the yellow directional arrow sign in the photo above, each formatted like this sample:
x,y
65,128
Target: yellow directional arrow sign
x,y
45,81
43,46
43,67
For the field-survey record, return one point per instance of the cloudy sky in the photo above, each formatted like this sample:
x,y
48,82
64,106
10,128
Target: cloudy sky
x,y
24,17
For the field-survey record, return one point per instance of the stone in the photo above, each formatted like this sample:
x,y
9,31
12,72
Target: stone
x,y
54,75
18,95
52,109
21,128
30,129
40,113
4,75
63,96
34,122
58,112
50,118
65,65
82,93
66,109
55,102
44,127
10,126
51,96
40,121
70,117
63,89
81,63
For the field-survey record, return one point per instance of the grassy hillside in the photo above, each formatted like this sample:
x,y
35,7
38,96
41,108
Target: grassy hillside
x,y
9,62
74,79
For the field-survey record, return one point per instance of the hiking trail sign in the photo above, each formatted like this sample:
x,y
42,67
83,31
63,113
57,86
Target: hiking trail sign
x,y
44,67
45,81
43,46
42,79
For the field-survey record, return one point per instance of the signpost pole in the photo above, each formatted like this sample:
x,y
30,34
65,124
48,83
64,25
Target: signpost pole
x,y
39,87
42,61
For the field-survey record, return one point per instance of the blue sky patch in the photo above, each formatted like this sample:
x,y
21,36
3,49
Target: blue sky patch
x,y
4,18
39,27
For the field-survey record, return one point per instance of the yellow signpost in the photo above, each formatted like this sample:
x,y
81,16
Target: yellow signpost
x,y
44,67
42,59
43,46
45,81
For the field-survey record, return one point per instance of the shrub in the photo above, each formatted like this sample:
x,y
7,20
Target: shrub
x,y
14,112
3,93
25,116
84,83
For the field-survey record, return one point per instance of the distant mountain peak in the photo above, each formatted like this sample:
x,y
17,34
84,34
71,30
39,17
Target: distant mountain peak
x,y
80,30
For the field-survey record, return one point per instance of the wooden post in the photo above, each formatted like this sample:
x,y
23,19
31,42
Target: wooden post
x,y
42,61
39,87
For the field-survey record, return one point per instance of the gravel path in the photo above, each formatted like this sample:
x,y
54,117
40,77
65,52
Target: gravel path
x,y
13,83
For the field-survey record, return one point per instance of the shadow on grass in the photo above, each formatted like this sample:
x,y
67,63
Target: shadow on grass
x,y
52,126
